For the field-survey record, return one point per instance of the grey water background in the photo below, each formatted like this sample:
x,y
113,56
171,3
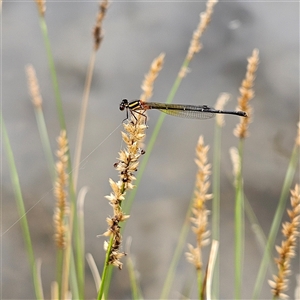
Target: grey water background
x,y
135,33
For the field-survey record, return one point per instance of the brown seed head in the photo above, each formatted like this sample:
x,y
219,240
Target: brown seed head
x,y
246,94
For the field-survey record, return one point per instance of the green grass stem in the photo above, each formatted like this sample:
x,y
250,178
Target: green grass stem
x,y
239,228
21,210
216,203
258,231
135,288
106,274
58,100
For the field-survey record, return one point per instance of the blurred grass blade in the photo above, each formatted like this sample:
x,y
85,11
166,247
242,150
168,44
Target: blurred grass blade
x,y
258,231
58,100
239,225
133,275
94,270
210,268
37,102
21,209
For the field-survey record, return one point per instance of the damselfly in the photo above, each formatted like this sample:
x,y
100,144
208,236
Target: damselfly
x,y
201,112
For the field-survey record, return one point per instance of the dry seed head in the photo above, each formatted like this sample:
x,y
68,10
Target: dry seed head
x,y
236,163
127,165
33,86
205,17
41,5
200,213
97,32
246,94
147,85
286,251
183,72
60,191
221,102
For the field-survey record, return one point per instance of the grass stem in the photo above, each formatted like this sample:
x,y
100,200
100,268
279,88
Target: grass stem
x,y
21,209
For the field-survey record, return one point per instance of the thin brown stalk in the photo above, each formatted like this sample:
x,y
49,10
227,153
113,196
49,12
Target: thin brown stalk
x,y
286,251
200,212
246,94
98,36
60,191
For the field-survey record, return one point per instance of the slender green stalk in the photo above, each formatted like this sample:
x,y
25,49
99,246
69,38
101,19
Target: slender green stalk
x,y
59,269
200,285
59,106
76,293
239,227
21,209
276,221
135,288
216,203
106,276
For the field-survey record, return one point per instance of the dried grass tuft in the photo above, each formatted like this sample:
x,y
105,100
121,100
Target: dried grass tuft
x,y
33,87
286,251
236,163
220,104
127,165
205,18
246,94
199,210
41,5
97,32
60,191
147,86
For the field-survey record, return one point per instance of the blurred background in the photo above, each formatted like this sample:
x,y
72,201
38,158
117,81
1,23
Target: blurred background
x,y
136,33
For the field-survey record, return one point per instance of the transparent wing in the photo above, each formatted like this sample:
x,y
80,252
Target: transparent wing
x,y
184,111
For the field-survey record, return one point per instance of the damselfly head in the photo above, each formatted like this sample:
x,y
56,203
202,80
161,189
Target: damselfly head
x,y
123,104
